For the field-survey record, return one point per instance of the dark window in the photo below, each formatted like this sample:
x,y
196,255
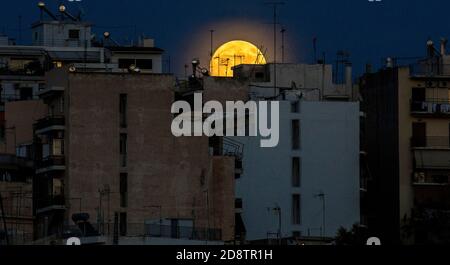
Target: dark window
x,y
419,134
418,94
144,64
238,204
26,93
175,230
123,224
296,209
295,107
123,110
74,34
259,75
123,190
295,134
296,172
296,234
123,149
126,63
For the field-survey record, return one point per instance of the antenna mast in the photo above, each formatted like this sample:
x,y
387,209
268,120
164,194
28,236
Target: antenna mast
x,y
275,6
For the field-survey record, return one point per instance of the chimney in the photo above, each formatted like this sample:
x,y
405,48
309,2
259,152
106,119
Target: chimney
x,y
148,43
348,77
444,46
389,62
430,48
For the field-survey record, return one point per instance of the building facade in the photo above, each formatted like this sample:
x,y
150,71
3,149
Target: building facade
x,y
407,136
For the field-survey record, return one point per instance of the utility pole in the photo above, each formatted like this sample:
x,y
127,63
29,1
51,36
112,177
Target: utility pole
x,y
275,6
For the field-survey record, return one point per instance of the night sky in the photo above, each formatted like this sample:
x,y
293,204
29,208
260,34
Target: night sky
x,y
369,31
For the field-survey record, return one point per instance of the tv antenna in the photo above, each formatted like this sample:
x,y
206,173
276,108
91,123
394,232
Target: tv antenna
x,y
275,6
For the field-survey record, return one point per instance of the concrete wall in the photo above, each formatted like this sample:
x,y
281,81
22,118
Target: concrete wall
x,y
329,156
163,171
20,117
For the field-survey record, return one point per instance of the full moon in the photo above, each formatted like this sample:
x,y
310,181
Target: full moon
x,y
234,53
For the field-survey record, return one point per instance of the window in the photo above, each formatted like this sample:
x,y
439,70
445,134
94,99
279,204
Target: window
x,y
58,147
123,149
295,107
123,224
124,190
238,203
126,63
418,94
296,172
296,234
123,110
144,64
419,134
296,209
74,34
26,93
295,134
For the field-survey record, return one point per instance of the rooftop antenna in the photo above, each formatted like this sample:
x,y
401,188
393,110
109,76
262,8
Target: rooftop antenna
x,y
107,36
44,8
315,49
275,6
63,10
283,31
212,44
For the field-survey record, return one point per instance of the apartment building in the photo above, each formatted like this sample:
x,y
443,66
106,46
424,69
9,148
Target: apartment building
x,y
309,185
106,150
407,126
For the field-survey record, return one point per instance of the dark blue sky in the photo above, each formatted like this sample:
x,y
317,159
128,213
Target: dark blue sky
x,y
369,31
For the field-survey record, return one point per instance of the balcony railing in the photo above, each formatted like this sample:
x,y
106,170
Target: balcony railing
x,y
179,232
429,69
233,148
420,178
431,107
438,142
50,201
49,122
51,161
145,230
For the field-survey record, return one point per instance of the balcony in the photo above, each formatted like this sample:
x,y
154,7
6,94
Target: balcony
x,y
429,69
434,108
431,178
50,203
431,142
179,232
50,123
51,163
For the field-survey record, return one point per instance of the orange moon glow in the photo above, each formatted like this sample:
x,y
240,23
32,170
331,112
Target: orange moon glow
x,y
234,53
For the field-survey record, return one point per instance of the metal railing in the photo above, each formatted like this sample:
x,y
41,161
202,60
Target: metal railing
x,y
429,69
435,179
51,161
233,148
50,201
180,232
431,142
143,230
49,122
431,106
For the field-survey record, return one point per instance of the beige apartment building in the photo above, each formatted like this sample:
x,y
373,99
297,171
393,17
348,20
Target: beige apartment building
x,y
407,135
106,149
